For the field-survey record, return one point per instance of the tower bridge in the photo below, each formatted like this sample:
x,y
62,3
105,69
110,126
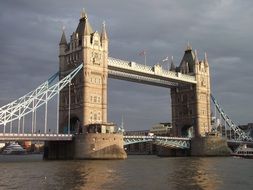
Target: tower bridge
x,y
84,68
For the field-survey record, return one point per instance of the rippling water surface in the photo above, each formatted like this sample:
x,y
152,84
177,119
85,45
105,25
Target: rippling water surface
x,y
135,173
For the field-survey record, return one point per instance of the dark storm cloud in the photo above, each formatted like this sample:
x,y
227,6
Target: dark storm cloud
x,y
30,33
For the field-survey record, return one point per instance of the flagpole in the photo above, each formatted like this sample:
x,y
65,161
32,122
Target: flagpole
x,y
143,53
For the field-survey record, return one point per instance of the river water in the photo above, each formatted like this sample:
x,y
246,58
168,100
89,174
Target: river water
x,y
134,173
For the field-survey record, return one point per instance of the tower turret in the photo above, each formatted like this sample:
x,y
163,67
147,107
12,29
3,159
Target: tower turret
x,y
84,30
205,60
104,38
63,43
62,49
189,58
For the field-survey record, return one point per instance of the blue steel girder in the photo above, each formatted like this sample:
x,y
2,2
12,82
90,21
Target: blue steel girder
x,y
171,142
128,141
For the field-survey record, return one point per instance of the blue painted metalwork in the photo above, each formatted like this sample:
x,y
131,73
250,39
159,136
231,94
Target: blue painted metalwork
x,y
172,142
241,135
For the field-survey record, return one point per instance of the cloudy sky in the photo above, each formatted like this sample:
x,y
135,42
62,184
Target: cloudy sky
x,y
30,31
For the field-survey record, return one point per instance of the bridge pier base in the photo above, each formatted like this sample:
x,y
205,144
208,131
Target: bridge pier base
x,y
58,150
209,146
87,146
164,152
99,146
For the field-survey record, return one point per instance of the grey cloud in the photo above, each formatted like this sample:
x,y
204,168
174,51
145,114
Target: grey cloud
x,y
30,33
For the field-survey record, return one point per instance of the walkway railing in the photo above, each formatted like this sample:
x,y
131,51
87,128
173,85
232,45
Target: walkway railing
x,y
154,72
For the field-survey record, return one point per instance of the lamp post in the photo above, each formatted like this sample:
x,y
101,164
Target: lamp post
x,y
69,106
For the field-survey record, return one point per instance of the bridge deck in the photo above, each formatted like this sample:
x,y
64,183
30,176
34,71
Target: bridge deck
x,y
35,137
140,73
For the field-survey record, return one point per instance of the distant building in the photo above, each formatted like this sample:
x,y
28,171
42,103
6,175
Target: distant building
x,y
159,129
137,133
162,129
247,128
139,148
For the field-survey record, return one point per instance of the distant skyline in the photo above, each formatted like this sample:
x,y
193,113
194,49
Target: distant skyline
x,y
30,32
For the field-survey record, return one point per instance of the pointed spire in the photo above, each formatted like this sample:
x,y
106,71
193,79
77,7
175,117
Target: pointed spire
x,y
63,37
87,27
187,67
122,122
182,66
104,33
196,57
172,66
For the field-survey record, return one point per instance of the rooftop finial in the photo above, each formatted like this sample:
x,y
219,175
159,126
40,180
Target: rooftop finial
x,y
63,37
63,28
205,57
104,33
188,46
83,14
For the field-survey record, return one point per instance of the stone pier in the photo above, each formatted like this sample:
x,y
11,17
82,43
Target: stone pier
x,y
209,146
87,146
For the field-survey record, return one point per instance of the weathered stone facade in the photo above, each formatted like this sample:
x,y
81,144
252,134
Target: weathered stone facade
x,y
191,103
83,103
209,146
88,90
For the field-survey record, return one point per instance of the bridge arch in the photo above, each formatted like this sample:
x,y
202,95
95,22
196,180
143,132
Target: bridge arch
x,y
187,131
75,124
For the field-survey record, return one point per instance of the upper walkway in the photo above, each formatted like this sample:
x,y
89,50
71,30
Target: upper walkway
x,y
140,73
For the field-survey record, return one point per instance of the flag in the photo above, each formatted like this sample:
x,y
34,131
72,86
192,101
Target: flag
x,y
166,59
142,53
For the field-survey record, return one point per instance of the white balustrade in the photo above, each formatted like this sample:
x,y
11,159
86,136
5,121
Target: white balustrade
x,y
156,70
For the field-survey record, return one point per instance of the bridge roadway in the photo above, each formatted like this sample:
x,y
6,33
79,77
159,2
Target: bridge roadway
x,y
173,142
35,137
156,75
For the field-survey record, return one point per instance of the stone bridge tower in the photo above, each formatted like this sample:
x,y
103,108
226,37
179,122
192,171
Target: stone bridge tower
x,y
191,103
88,90
83,104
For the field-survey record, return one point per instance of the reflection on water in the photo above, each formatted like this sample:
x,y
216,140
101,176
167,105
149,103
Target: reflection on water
x,y
197,173
137,172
